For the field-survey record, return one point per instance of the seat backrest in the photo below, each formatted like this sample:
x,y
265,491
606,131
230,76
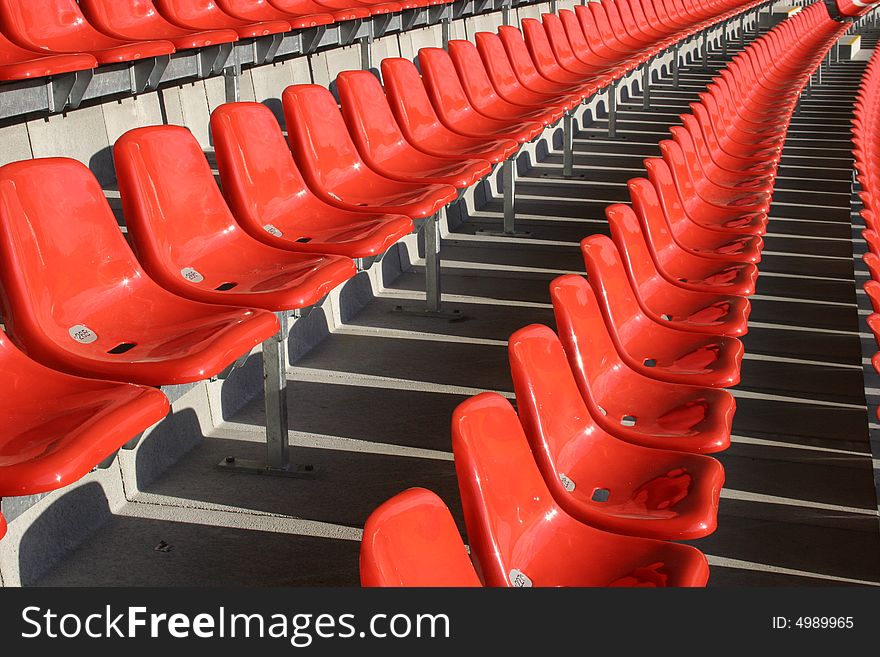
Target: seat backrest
x,y
658,202
442,83
64,263
557,39
408,98
49,24
538,45
124,15
518,53
491,52
609,281
471,72
368,116
508,510
630,242
412,540
320,142
174,211
573,31
259,177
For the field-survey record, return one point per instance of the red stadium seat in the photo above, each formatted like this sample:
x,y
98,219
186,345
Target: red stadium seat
x,y
138,20
187,240
420,124
18,63
270,200
316,7
263,11
206,15
647,346
547,64
411,540
335,171
626,404
58,26
76,299
602,481
872,261
520,537
661,300
382,145
58,427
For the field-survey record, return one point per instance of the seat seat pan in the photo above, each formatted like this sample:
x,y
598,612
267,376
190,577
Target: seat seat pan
x,y
411,199
413,165
20,64
133,51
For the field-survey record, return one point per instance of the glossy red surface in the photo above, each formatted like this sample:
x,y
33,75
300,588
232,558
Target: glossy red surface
x,y
178,223
76,299
333,168
626,404
263,10
411,540
383,146
58,26
270,199
452,106
58,427
17,63
520,536
526,72
206,15
420,124
316,7
567,57
547,64
647,346
2,526
596,478
139,20
664,302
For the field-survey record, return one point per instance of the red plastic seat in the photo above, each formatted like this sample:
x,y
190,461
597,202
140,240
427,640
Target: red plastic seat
x,y
187,240
206,15
626,404
271,201
647,346
548,65
382,145
17,63
76,299
2,526
721,162
138,20
316,7
518,534
872,261
482,95
567,57
716,243
596,478
58,26
58,427
451,103
420,124
411,540
332,167
664,302
264,11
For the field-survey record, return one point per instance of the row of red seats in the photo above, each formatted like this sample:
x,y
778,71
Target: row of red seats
x,y
353,191
602,462
48,37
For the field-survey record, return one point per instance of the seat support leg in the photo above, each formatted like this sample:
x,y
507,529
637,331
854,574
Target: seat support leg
x,y
232,78
724,39
567,145
705,52
444,30
366,53
508,191
646,85
742,31
675,66
612,110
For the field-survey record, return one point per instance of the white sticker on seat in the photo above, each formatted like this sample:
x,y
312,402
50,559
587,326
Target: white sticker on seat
x,y
518,579
272,230
191,275
82,334
567,483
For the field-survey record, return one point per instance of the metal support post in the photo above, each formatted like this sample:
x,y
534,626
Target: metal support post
x,y
646,85
433,294
675,53
568,145
612,110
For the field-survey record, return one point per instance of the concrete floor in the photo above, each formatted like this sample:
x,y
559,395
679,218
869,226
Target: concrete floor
x,y
370,405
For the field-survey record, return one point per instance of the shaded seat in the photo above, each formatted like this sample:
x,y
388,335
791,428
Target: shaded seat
x,y
412,540
518,534
382,145
76,299
271,201
58,26
625,403
602,481
187,240
420,124
58,427
263,11
206,15
18,63
647,346
335,171
661,300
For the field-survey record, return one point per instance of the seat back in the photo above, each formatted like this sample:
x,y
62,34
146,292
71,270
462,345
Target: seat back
x,y
175,213
412,540
408,99
443,85
630,242
320,142
657,200
65,267
609,281
573,32
518,54
509,513
260,180
252,10
539,46
128,17
558,40
471,72
50,25
368,116
491,52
